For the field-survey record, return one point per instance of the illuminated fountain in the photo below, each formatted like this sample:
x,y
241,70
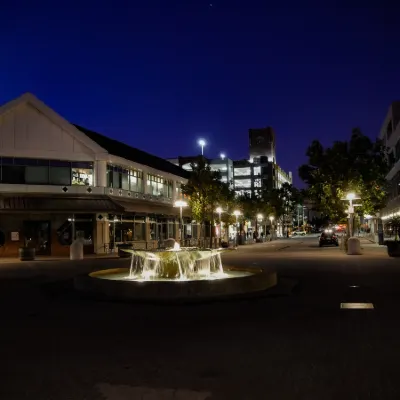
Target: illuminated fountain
x,y
176,264
175,273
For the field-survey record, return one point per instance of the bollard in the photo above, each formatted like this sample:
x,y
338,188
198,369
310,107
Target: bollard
x,y
354,246
76,250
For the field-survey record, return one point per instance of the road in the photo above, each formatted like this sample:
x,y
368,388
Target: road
x,y
295,343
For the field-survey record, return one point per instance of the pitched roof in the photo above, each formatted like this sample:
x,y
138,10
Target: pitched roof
x,y
123,150
32,100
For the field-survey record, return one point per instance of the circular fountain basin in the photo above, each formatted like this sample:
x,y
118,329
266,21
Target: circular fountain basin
x,y
115,284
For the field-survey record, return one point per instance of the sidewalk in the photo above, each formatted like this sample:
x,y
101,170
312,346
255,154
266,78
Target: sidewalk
x,y
16,260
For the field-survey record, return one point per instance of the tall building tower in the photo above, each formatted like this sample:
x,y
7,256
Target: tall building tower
x,y
262,144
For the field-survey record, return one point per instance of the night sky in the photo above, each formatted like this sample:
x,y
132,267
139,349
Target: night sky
x,y
160,74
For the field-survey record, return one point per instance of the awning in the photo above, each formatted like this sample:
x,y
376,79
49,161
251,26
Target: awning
x,y
59,204
146,207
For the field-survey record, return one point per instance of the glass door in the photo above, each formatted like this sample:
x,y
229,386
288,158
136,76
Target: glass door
x,y
38,235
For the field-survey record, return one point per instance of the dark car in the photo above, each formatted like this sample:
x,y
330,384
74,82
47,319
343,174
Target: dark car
x,y
328,237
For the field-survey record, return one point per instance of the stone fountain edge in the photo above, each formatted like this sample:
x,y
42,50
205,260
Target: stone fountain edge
x,y
156,291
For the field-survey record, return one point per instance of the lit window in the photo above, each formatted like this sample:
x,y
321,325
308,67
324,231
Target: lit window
x,y
243,183
82,174
245,171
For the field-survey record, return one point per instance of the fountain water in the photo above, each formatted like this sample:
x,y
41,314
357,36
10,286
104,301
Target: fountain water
x,y
157,276
176,264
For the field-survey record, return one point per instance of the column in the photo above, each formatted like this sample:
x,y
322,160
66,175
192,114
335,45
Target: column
x,y
174,194
101,173
147,229
101,239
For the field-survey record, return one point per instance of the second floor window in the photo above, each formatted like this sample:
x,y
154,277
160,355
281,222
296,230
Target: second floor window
x,y
123,178
158,186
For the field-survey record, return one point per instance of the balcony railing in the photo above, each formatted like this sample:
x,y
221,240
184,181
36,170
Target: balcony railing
x,y
81,190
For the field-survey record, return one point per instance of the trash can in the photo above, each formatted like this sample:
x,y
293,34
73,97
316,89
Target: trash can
x,y
380,238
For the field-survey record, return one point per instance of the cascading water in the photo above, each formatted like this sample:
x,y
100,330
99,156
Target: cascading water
x,y
176,264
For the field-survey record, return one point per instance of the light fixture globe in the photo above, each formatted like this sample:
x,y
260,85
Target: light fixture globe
x,y
180,203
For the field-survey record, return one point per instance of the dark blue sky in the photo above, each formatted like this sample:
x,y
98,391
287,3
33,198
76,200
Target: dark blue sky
x,y
158,74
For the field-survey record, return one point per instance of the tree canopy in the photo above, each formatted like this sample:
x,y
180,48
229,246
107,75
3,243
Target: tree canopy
x,y
359,165
205,191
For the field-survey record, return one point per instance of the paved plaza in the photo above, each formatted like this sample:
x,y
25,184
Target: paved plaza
x,y
293,342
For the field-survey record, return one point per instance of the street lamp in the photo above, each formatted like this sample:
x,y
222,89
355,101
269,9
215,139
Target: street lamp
x,y
222,155
219,212
271,218
236,213
115,220
350,197
260,217
180,204
202,143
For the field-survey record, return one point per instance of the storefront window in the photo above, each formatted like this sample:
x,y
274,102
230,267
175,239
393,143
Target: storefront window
x,y
82,173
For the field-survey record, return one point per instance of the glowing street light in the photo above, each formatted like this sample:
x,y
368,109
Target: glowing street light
x,y
180,204
350,196
271,219
222,155
202,143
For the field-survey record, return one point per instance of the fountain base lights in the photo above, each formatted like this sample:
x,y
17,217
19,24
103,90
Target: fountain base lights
x,y
175,274
112,284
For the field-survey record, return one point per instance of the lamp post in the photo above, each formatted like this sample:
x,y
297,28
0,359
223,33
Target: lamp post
x,y
222,155
219,212
236,213
202,144
260,217
115,220
180,204
271,218
350,197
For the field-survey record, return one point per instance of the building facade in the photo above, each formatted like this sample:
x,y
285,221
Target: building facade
x,y
59,181
262,144
251,175
390,134
223,164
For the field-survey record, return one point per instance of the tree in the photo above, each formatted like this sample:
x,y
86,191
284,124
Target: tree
x,y
206,192
282,202
359,165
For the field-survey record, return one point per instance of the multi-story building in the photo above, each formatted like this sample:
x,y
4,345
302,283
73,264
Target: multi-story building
x,y
262,144
260,171
390,134
223,164
59,181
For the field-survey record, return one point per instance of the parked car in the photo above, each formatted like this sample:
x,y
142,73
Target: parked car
x,y
299,233
328,237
